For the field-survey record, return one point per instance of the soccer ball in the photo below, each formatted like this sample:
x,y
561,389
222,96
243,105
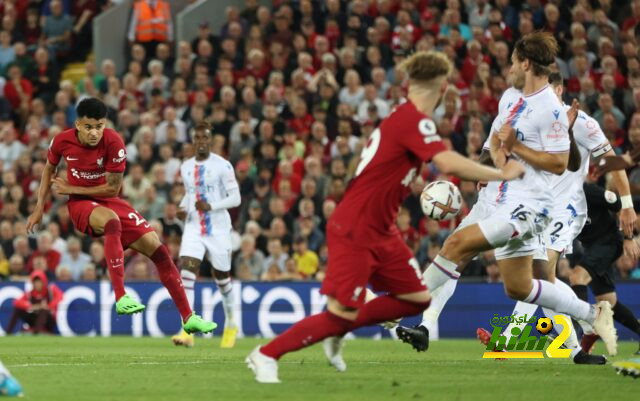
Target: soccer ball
x,y
544,325
441,200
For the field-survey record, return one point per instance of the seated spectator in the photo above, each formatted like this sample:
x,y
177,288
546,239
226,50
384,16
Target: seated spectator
x,y
18,91
140,268
89,273
38,307
276,255
96,251
134,186
46,77
56,31
74,259
306,260
10,147
17,270
7,52
272,273
250,257
45,250
63,274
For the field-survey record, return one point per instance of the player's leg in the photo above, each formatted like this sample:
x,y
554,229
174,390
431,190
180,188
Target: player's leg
x,y
347,276
621,313
219,250
189,273
105,221
519,284
150,246
9,386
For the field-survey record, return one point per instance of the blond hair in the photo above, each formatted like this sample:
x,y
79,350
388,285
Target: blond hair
x,y
425,66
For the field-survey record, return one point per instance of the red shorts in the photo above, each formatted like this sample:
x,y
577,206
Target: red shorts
x,y
133,224
388,266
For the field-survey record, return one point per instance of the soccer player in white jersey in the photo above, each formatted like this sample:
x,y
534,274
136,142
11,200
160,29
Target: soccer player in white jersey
x,y
570,213
487,202
540,125
569,216
211,189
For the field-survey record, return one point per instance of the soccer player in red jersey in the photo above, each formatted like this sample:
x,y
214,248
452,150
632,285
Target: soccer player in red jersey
x,y
96,159
364,243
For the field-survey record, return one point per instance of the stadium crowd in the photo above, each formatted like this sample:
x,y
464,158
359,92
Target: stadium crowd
x,y
292,92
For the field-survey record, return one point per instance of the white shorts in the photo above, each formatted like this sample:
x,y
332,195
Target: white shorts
x,y
565,226
218,247
515,229
481,210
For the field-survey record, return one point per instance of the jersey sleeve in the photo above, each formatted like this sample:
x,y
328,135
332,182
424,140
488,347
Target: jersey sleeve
x,y
422,139
598,196
554,131
588,134
229,178
495,127
54,153
116,155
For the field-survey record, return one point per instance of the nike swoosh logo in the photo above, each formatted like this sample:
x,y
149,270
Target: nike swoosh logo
x,y
71,158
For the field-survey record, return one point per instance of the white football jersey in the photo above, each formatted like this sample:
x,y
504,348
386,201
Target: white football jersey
x,y
209,180
541,124
591,141
490,192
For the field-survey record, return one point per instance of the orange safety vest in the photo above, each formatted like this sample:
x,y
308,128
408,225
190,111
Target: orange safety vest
x,y
152,24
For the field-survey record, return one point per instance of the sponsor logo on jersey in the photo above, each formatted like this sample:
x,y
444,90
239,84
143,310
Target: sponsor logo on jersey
x,y
121,156
556,114
87,175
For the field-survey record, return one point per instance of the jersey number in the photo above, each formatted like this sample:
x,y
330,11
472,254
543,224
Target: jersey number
x,y
558,227
139,220
519,214
369,151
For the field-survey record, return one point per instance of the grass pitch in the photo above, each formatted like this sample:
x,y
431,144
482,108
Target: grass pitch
x,y
127,369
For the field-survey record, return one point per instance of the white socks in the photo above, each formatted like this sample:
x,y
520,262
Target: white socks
x,y
547,295
439,298
189,282
226,287
439,272
521,309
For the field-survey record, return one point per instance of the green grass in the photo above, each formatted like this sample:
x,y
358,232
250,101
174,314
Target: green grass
x,y
124,369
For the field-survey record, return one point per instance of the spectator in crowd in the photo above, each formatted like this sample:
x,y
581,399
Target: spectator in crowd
x,y
56,30
74,259
249,257
277,257
45,250
306,260
38,307
151,24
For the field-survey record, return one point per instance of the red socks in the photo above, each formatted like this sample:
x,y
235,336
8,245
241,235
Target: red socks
x,y
170,277
318,327
114,256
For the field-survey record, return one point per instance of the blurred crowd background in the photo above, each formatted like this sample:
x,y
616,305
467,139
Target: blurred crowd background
x,y
292,92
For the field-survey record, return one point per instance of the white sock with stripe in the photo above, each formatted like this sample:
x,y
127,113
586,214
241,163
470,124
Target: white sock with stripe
x,y
189,282
439,298
439,272
547,295
226,291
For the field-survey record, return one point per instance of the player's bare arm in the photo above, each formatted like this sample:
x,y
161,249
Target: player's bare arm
x,y
43,191
627,214
574,154
109,189
450,162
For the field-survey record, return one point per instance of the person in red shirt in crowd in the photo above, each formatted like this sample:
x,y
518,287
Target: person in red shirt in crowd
x,y
301,121
285,173
45,243
633,20
18,91
37,308
473,59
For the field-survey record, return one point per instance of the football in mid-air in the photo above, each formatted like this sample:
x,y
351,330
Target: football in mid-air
x,y
441,200
544,325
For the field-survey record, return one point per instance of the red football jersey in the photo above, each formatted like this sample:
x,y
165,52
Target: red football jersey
x,y
389,162
87,166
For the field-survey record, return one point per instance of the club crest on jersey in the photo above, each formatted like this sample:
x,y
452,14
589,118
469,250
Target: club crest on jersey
x,y
99,162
